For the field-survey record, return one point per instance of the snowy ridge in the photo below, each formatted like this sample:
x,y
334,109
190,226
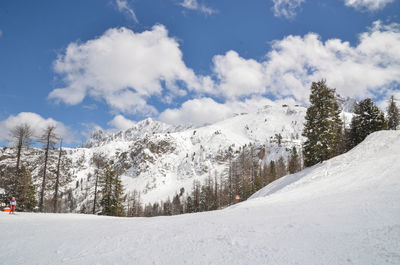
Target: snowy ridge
x,y
373,163
343,211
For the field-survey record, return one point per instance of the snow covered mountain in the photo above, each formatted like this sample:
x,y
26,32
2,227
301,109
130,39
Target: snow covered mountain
x,y
158,159
343,211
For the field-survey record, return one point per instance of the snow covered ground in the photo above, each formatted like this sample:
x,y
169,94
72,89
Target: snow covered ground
x,y
343,211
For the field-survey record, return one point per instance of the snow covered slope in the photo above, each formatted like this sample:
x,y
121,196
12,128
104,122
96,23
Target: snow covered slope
x,y
343,211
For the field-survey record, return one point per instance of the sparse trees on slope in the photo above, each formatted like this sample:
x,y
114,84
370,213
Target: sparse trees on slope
x,y
323,127
368,119
48,139
393,114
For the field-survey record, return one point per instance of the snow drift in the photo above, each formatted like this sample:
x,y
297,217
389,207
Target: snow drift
x,y
343,211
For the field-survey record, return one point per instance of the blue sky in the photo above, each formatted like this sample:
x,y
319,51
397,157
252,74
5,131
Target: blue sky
x,y
107,63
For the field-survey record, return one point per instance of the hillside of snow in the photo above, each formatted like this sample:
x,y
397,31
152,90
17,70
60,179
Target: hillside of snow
x,y
343,211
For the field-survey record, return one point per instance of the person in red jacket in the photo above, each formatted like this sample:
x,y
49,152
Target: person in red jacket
x,y
12,205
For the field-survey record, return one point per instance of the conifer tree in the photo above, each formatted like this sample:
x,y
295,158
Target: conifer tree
x,y
272,171
323,125
393,114
281,167
189,205
112,191
24,192
294,161
368,119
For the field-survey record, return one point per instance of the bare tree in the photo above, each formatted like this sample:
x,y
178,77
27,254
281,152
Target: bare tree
x,y
22,137
99,162
48,139
57,184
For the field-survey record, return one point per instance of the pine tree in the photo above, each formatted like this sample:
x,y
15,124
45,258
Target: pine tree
x,y
323,125
393,114
281,167
294,161
112,191
368,119
24,191
272,176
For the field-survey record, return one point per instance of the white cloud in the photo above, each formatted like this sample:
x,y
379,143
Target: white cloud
x,y
207,111
124,7
194,5
37,123
286,8
238,76
369,69
125,69
197,112
121,123
368,5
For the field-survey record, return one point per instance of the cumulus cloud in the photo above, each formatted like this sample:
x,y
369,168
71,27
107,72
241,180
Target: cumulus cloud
x,y
121,123
370,68
207,111
124,7
195,5
368,5
286,8
37,123
238,76
125,69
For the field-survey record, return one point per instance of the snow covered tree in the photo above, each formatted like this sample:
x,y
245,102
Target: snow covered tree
x,y
294,161
323,127
393,114
112,192
368,119
48,139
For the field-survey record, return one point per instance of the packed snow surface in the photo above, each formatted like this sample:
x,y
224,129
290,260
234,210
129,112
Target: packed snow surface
x,y
343,211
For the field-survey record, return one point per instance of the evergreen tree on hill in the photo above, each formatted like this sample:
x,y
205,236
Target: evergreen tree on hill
x,y
25,191
368,119
323,127
393,114
294,162
112,191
